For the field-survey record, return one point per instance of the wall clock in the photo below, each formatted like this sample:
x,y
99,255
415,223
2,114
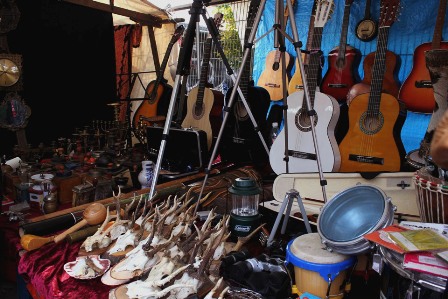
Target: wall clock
x,y
10,72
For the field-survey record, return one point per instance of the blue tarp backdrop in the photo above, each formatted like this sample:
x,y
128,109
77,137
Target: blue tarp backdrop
x,y
414,26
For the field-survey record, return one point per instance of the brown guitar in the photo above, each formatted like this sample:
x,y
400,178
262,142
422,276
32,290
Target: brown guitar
x,y
342,64
156,89
204,105
370,144
417,92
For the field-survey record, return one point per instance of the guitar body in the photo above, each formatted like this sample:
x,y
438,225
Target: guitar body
x,y
149,107
340,76
390,84
271,78
240,142
371,137
417,91
296,82
302,154
199,117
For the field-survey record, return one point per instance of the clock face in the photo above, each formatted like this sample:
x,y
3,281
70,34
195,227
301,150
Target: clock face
x,y
9,72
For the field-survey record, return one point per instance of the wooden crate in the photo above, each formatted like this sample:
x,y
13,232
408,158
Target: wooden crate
x,y
65,186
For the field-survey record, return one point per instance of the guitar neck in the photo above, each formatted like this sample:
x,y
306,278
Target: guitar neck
x,y
314,64
343,42
379,67
367,10
204,71
437,38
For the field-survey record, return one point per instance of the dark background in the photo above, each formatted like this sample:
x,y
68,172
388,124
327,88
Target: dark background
x,y
68,69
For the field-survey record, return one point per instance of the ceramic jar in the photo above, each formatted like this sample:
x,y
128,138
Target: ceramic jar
x,y
146,175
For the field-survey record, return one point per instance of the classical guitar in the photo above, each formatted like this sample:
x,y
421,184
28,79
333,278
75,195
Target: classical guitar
x,y
342,66
158,88
437,64
204,105
417,92
367,28
370,144
241,142
296,82
300,149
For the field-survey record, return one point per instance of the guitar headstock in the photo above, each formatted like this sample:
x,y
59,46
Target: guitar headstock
x,y
324,10
389,12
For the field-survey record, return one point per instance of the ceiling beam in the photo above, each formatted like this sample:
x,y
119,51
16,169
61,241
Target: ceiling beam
x,y
144,19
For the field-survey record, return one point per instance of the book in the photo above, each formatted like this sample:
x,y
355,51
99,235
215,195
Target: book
x,y
419,240
381,237
426,262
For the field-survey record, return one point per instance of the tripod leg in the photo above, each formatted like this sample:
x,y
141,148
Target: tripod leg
x,y
277,220
183,65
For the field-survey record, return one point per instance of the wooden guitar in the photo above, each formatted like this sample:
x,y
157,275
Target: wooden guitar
x,y
367,28
370,144
241,143
204,105
296,82
301,150
156,89
417,92
342,65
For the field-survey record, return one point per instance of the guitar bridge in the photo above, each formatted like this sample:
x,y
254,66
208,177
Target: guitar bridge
x,y
272,85
299,87
337,85
366,159
302,155
423,84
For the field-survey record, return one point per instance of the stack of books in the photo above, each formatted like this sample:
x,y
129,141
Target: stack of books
x,y
424,248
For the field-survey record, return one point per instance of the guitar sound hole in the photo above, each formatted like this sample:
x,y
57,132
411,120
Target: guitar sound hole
x,y
371,124
303,121
240,111
198,111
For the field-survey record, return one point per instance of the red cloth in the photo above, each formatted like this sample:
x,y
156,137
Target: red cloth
x,y
44,269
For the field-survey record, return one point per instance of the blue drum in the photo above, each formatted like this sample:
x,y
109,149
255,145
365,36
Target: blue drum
x,y
318,271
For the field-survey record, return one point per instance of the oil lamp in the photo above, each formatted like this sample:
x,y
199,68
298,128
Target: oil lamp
x,y
245,196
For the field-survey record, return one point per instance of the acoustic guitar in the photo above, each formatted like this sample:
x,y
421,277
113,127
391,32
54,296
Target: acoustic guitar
x,y
342,65
370,144
204,105
417,92
296,82
241,142
299,145
156,89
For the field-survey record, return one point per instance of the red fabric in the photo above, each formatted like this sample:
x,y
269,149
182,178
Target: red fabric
x,y
44,269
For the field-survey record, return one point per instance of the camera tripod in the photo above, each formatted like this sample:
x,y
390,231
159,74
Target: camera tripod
x,y
197,9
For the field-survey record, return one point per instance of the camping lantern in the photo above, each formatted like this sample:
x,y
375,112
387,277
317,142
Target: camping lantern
x,y
245,196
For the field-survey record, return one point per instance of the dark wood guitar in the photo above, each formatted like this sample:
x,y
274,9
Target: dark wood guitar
x,y
370,144
156,89
367,28
342,66
204,105
417,92
240,142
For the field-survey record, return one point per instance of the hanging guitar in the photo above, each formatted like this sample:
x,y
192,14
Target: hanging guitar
x,y
296,82
367,28
437,64
240,142
342,65
204,105
301,150
157,89
370,144
417,92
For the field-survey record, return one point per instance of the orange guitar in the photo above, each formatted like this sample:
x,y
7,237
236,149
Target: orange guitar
x,y
370,144
156,89
417,92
